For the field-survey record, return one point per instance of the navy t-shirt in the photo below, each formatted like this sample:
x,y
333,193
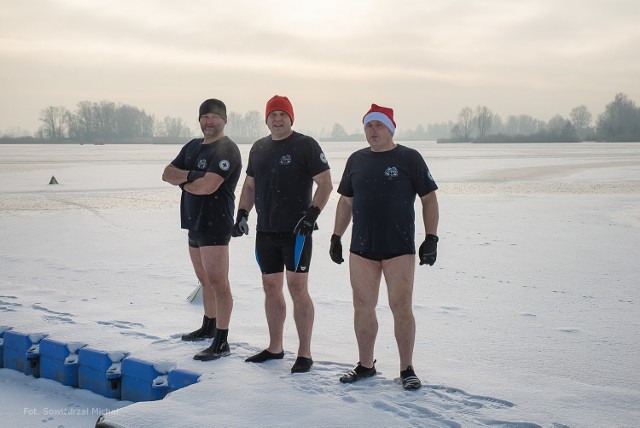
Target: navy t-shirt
x,y
383,186
214,212
283,171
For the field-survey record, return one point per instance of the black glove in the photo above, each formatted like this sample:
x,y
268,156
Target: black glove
x,y
194,174
428,250
335,250
307,224
241,227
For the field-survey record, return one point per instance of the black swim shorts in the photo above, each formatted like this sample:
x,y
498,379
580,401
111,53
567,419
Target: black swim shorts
x,y
276,250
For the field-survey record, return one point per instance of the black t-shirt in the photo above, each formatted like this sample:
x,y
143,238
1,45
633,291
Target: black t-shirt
x,y
283,171
383,186
214,212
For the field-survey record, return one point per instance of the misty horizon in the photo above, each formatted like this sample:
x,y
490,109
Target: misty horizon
x,y
426,60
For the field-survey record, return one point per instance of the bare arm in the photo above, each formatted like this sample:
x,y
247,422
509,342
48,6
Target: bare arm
x,y
343,215
174,175
206,185
201,186
430,213
323,191
248,195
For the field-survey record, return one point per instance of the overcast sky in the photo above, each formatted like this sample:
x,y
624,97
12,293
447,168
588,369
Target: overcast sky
x,y
425,59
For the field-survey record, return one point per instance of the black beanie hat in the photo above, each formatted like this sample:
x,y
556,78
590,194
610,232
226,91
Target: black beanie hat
x,y
214,106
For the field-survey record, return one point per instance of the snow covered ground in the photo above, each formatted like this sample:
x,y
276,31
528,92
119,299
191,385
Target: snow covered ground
x,y
529,318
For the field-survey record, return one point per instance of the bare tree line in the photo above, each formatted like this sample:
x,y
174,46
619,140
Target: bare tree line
x,y
106,121
619,122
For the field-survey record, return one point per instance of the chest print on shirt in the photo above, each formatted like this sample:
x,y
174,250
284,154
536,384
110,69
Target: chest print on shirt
x,y
285,160
201,164
391,172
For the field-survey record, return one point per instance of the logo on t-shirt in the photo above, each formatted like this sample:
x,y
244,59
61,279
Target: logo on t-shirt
x,y
285,160
392,171
224,165
202,164
323,158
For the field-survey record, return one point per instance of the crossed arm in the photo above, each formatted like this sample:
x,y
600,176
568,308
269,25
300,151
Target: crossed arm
x,y
201,186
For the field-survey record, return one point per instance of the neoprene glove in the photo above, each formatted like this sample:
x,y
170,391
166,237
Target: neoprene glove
x,y
194,174
307,223
241,227
428,250
335,250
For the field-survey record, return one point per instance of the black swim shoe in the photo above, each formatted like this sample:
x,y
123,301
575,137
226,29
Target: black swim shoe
x,y
206,331
409,379
213,352
263,356
302,365
219,347
358,373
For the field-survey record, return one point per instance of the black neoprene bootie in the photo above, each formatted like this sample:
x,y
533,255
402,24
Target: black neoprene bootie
x,y
219,347
206,331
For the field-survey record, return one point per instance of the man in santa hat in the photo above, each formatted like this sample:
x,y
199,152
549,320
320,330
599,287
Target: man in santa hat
x,y
378,190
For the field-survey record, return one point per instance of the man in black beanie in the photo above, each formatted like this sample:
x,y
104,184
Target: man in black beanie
x,y
207,170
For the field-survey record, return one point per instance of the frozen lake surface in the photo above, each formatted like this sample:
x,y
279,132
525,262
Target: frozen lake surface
x,y
528,318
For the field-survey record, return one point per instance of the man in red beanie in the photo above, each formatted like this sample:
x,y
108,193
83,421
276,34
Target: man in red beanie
x,y
207,170
280,175
378,189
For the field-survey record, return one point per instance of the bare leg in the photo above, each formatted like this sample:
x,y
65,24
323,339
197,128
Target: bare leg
x,y
275,309
215,261
365,283
303,310
398,274
208,297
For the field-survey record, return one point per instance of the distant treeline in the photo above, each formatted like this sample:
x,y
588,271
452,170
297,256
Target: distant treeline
x,y
620,121
108,122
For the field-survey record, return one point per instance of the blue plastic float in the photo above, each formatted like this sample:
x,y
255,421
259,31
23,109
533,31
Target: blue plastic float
x,y
110,374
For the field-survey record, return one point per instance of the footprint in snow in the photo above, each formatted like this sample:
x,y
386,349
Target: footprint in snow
x,y
6,306
121,324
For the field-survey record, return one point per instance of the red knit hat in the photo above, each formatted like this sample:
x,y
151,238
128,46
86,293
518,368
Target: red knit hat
x,y
281,104
383,114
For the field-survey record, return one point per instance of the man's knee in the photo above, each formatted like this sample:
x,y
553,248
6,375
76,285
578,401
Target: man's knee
x,y
272,286
298,290
216,282
401,306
